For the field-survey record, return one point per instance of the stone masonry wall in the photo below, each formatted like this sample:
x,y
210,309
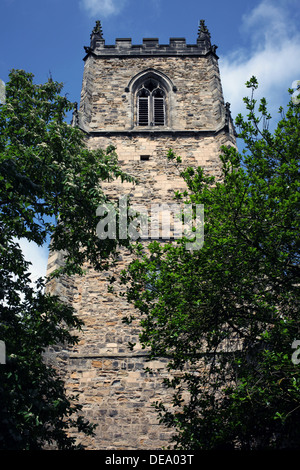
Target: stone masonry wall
x,y
114,389
196,104
113,386
158,178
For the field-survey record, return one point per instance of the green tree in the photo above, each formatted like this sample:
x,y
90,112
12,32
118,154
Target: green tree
x,y
227,315
50,186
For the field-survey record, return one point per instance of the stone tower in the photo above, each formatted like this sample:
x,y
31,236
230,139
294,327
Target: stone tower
x,y
143,99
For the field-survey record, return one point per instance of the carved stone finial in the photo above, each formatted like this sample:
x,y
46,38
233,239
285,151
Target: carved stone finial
x,y
96,37
203,40
202,29
97,31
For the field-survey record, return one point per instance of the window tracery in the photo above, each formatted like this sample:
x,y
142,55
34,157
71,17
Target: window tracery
x,y
151,104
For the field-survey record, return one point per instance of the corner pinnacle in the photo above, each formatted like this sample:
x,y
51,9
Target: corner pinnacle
x,y
202,29
97,31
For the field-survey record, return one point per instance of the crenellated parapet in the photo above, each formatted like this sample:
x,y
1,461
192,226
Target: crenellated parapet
x,y
150,46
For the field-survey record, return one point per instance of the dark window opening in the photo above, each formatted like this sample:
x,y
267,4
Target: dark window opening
x,y
143,111
144,157
151,104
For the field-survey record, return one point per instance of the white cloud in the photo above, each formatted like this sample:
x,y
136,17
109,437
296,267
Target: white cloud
x,y
103,8
272,56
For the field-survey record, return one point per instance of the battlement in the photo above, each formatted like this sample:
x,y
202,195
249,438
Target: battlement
x,y
150,46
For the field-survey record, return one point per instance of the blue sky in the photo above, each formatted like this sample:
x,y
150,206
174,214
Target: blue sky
x,y
257,37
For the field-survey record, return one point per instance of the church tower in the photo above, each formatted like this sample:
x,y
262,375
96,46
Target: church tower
x,y
144,100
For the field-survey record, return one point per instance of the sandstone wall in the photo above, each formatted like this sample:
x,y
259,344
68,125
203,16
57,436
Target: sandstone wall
x,y
115,390
113,386
196,104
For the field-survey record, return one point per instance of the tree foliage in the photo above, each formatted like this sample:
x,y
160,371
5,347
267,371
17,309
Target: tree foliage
x,y
50,186
227,315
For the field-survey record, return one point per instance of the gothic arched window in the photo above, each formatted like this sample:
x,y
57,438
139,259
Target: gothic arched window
x,y
151,105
